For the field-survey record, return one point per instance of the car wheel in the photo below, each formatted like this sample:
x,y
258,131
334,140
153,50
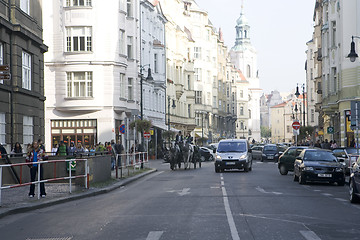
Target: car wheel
x,y
250,168
217,170
246,168
302,178
283,170
353,197
295,178
202,158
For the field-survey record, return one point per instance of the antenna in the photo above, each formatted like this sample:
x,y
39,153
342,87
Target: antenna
x,y
242,6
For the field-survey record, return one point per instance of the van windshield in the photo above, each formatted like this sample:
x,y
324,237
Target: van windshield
x,y
232,147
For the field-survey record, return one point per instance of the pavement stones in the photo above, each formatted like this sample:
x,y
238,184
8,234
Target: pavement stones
x,y
17,200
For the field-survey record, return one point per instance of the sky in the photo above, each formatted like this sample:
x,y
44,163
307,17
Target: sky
x,y
279,32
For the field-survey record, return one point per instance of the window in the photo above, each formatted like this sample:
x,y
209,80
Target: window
x,y
122,85
189,111
334,79
312,118
78,3
197,119
122,42
1,57
79,84
197,52
25,6
2,128
241,93
189,81
28,135
130,47
130,89
241,111
26,70
129,8
198,75
214,101
156,63
198,97
333,38
78,39
249,113
248,71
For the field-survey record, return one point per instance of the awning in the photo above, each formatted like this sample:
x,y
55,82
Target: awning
x,y
160,125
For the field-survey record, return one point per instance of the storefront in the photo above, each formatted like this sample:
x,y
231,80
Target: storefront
x,y
77,131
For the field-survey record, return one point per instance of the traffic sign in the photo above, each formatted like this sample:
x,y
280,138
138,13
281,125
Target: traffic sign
x,y
296,125
122,129
4,76
330,130
147,135
4,68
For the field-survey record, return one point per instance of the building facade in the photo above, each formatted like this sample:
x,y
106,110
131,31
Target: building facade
x,y
22,49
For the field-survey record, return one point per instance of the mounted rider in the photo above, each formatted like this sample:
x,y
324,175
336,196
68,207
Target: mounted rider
x,y
189,138
179,138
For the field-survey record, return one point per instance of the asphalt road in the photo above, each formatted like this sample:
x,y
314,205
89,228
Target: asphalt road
x,y
198,204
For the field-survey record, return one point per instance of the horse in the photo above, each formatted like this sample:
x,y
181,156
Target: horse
x,y
187,152
174,156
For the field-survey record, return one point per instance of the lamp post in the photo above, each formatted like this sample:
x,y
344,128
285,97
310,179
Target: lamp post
x,y
353,55
297,94
173,106
148,78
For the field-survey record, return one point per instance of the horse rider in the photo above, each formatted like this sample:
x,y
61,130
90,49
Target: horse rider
x,y
179,138
189,138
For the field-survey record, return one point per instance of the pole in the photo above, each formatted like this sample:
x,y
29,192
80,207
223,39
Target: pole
x,y
304,103
141,93
357,127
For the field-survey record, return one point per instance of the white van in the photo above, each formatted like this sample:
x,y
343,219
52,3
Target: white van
x,y
233,154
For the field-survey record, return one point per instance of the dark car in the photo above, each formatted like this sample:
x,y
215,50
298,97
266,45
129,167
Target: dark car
x,y
354,182
206,154
318,165
270,153
347,155
256,151
287,159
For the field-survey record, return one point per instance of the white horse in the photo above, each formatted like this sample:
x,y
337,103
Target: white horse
x,y
188,152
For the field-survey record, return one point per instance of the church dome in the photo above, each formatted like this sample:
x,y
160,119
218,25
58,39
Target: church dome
x,y
242,20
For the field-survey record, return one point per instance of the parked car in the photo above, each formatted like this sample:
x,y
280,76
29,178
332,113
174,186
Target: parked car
x,y
318,165
287,159
206,154
270,152
233,154
256,152
347,155
354,182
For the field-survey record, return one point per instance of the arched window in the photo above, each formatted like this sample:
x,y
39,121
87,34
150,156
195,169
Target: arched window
x,y
245,33
249,113
248,71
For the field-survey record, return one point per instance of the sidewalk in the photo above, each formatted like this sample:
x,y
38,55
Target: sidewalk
x,y
16,200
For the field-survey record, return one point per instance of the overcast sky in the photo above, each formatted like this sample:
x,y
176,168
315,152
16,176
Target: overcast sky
x,y
279,32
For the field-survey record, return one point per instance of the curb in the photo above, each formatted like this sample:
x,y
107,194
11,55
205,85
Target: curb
x,y
77,196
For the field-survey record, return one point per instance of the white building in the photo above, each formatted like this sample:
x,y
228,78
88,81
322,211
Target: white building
x,y
244,57
92,70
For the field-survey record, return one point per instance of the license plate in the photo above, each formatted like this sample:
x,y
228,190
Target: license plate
x,y
230,163
324,175
270,157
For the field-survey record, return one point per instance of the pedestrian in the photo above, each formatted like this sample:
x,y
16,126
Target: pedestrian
x,y
334,145
79,149
54,149
17,150
179,137
317,144
3,153
62,149
326,144
41,144
72,149
35,154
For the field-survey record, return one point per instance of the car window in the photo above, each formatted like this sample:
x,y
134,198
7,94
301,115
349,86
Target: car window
x,y
232,147
298,151
291,152
339,152
270,148
319,156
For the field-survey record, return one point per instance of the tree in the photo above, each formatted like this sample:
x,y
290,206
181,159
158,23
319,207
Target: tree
x,y
265,132
141,125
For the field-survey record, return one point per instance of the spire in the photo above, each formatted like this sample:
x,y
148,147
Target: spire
x,y
242,7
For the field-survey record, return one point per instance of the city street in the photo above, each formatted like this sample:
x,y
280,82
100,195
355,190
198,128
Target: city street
x,y
198,204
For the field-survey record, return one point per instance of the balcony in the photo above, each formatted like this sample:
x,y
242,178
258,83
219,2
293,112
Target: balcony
x,y
179,90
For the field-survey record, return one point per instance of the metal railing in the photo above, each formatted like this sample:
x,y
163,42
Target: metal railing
x,y
69,177
128,160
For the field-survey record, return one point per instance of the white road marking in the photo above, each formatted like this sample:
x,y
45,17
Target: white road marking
x,y
182,192
316,190
341,199
230,218
309,235
327,194
263,191
222,183
155,235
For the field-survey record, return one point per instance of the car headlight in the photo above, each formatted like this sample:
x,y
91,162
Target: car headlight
x,y
218,158
276,155
242,157
308,169
264,155
338,169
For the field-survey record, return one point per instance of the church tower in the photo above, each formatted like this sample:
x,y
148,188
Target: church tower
x,y
244,57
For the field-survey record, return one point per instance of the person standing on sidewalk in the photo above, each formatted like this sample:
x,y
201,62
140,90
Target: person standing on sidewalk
x,y
35,154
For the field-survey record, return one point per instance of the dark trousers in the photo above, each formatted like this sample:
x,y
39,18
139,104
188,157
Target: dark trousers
x,y
33,171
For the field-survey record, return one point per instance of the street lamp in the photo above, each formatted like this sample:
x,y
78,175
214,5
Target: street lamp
x,y
148,78
173,106
353,55
297,94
